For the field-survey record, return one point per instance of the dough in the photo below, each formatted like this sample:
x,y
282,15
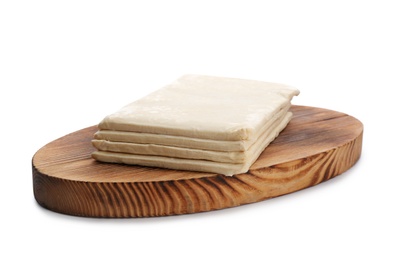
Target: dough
x,y
228,169
204,107
188,153
186,142
197,123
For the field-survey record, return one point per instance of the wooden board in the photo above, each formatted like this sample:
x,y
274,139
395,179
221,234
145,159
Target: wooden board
x,y
318,144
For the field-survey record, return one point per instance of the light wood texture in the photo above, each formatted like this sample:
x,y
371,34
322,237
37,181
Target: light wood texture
x,y
318,144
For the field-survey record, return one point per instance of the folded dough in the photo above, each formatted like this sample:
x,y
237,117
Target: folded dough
x,y
189,153
186,142
203,107
197,123
224,168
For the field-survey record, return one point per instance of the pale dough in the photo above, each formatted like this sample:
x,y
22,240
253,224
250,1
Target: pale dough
x,y
197,123
204,107
228,169
186,142
188,153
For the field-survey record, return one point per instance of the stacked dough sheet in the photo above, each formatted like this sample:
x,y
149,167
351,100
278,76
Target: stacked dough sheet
x,y
197,123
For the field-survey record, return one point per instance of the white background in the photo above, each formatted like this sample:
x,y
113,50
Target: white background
x,y
64,65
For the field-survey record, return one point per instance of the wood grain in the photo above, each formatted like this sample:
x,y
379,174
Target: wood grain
x,y
317,145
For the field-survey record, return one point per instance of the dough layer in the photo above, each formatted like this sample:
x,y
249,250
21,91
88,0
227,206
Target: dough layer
x,y
225,168
203,107
197,123
189,153
187,142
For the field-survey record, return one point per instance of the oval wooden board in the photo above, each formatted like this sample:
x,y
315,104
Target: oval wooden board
x,y
318,144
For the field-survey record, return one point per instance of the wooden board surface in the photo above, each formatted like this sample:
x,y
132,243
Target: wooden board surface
x,y
318,144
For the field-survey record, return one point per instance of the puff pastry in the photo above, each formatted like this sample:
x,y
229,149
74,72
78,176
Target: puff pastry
x,y
197,123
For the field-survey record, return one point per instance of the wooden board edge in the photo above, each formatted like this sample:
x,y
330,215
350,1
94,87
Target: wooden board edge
x,y
127,200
